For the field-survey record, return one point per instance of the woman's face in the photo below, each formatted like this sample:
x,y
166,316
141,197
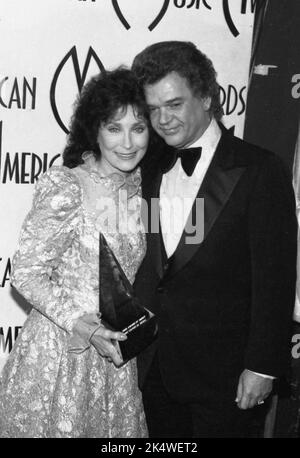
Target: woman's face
x,y
123,141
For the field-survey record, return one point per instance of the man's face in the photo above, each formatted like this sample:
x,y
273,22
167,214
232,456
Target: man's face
x,y
176,114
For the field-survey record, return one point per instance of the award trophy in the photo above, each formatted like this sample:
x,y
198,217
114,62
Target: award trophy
x,y
120,308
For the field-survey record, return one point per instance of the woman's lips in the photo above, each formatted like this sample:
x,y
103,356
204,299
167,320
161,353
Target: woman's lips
x,y
126,156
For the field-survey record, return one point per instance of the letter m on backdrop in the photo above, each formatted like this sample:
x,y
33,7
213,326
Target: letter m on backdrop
x,y
79,75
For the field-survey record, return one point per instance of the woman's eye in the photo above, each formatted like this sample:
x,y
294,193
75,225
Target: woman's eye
x,y
113,129
140,129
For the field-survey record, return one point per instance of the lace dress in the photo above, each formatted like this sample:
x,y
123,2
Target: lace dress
x,y
54,383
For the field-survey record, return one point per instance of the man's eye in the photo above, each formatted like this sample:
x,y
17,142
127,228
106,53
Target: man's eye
x,y
175,105
152,109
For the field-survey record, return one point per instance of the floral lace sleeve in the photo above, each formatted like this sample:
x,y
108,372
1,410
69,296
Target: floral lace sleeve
x,y
46,234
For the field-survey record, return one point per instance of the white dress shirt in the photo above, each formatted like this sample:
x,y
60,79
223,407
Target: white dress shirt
x,y
178,191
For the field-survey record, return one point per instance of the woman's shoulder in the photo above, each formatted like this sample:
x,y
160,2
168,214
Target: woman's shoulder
x,y
61,184
59,175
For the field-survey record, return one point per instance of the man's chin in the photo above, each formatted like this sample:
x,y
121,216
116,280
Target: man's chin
x,y
171,140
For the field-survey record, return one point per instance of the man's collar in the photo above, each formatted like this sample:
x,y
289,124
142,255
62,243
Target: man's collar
x,y
210,137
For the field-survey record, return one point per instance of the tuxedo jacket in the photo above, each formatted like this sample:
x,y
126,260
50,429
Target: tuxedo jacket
x,y
225,303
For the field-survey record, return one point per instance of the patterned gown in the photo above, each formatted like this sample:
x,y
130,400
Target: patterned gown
x,y
54,383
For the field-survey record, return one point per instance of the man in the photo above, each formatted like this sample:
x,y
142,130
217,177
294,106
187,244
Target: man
x,y
223,301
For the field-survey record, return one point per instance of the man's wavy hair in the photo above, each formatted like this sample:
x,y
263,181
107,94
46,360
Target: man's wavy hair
x,y
158,60
98,102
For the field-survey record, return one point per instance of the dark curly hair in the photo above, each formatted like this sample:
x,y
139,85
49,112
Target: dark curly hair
x,y
158,60
98,102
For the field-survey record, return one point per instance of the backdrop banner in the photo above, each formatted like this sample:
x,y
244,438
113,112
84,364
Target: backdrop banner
x,y
50,48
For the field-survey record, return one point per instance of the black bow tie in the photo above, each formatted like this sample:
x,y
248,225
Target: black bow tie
x,y
189,158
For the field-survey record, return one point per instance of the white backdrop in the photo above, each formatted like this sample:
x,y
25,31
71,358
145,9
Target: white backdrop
x,y
49,48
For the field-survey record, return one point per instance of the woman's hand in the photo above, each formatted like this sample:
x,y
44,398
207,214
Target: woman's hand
x,y
106,343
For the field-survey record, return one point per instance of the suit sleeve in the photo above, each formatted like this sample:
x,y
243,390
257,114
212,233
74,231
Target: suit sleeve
x,y
272,229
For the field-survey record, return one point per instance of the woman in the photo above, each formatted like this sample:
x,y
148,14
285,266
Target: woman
x,y
57,381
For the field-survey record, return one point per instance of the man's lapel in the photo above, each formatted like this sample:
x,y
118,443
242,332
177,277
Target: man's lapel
x,y
151,219
216,188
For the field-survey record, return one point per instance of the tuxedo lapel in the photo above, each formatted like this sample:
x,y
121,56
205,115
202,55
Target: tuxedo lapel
x,y
151,220
217,186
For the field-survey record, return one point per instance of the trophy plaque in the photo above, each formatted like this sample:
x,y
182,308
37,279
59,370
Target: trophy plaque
x,y
120,308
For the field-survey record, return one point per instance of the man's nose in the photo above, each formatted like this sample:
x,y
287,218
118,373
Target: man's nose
x,y
164,117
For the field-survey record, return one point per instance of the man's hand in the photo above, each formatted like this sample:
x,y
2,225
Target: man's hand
x,y
103,340
252,389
